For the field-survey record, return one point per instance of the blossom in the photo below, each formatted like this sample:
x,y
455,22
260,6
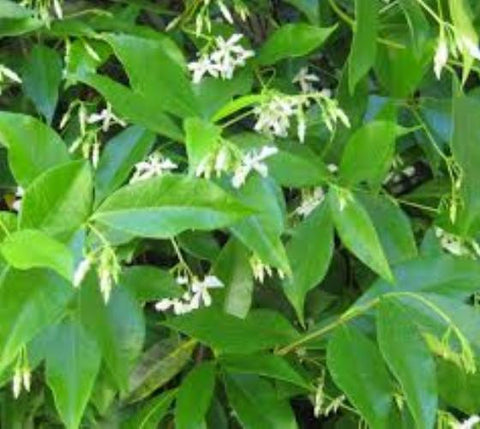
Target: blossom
x,y
260,270
470,47
310,202
81,271
17,204
201,293
253,161
441,57
22,378
305,80
106,117
451,243
273,117
470,423
155,165
196,295
222,61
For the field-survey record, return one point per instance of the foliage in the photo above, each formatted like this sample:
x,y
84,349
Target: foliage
x,y
237,213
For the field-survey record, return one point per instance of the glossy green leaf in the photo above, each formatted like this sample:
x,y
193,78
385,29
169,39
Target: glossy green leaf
x,y
163,79
364,45
293,40
393,227
410,360
467,154
12,10
29,248
364,378
233,268
358,232
254,333
118,328
150,415
32,300
202,139
309,251
256,403
194,397
32,146
261,232
41,79
369,154
148,283
59,200
118,158
72,365
158,366
266,365
168,205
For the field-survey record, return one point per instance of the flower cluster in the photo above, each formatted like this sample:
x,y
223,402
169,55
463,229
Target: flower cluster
x,y
456,245
261,271
155,165
310,201
222,62
196,295
253,161
108,270
42,8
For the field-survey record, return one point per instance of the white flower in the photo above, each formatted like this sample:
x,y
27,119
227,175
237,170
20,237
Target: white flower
x,y
106,117
470,423
202,67
17,204
305,80
200,290
58,9
81,271
10,74
441,57
17,383
222,62
259,269
310,202
253,161
302,127
27,379
451,243
273,117
155,165
470,47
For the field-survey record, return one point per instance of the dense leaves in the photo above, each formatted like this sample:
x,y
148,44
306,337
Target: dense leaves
x,y
238,213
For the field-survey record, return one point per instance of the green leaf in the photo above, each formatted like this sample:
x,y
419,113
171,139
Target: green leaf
x,y
444,275
309,251
364,45
134,107
164,78
59,201
293,40
12,10
158,366
466,152
31,248
410,360
357,231
393,227
118,158
266,365
168,205
462,19
151,414
33,300
8,224
118,328
418,24
72,365
365,378
233,269
458,388
256,403
261,232
202,139
194,397
229,334
41,79
369,153
148,283
32,146
297,166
